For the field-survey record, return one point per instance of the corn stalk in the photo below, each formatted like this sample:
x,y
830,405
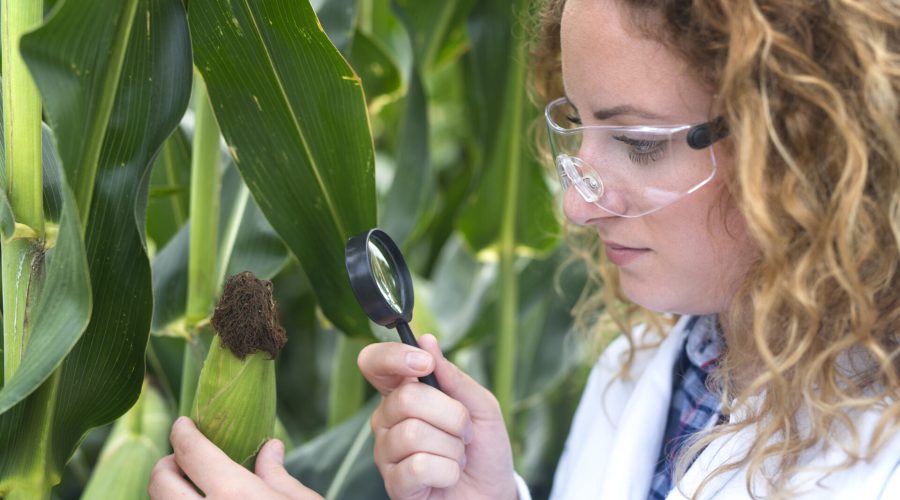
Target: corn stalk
x,y
204,209
23,179
512,194
79,344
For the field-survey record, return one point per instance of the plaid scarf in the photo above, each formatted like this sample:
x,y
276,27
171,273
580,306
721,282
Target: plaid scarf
x,y
693,407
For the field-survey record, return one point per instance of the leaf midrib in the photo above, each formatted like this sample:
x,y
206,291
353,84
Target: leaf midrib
x,y
306,148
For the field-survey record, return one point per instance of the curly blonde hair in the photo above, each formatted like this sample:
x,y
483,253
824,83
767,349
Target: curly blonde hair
x,y
810,90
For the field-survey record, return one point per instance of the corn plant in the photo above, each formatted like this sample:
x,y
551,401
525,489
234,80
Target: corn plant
x,y
183,142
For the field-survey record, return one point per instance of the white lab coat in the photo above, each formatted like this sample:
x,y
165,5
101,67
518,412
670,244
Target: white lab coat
x,y
617,433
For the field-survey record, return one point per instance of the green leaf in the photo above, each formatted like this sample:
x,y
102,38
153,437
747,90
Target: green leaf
x,y
513,186
457,294
435,28
376,68
70,59
60,311
79,82
318,461
413,183
294,117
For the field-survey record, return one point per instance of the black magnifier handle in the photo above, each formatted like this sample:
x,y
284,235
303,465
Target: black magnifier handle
x,y
406,336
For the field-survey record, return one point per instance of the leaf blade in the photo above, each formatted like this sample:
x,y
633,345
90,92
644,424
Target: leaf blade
x,y
294,116
102,374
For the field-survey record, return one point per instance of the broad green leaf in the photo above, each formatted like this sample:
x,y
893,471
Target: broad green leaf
x,y
413,184
294,117
70,59
512,193
52,172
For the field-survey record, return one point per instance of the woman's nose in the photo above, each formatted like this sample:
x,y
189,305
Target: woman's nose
x,y
579,211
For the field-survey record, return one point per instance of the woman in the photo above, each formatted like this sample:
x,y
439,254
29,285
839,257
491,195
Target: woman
x,y
767,218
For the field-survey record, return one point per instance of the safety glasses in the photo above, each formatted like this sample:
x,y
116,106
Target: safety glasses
x,y
631,171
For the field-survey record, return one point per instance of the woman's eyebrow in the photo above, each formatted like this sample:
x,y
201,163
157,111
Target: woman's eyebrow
x,y
625,109
607,113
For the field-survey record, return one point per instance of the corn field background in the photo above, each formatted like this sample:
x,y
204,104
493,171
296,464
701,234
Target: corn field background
x,y
152,148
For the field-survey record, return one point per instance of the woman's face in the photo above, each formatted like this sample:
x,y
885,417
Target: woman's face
x,y
690,256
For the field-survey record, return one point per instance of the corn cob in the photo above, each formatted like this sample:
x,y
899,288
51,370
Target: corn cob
x,y
234,405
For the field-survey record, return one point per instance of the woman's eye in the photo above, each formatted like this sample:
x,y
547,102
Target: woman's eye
x,y
643,151
573,119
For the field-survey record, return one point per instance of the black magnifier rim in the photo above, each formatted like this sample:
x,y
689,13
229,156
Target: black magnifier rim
x,y
362,280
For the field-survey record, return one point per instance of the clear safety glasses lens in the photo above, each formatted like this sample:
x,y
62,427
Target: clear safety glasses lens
x,y
627,171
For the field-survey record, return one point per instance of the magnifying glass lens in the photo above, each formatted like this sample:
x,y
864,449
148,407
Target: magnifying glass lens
x,y
382,285
384,274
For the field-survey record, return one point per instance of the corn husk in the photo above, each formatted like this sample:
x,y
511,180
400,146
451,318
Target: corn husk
x,y
138,439
235,402
234,405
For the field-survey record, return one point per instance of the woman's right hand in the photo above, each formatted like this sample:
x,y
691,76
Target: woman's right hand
x,y
433,444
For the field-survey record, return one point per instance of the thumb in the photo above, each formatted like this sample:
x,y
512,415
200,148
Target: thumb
x,y
270,460
458,385
270,468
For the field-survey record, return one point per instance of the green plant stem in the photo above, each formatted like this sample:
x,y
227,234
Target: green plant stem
x,y
504,382
504,378
22,116
23,181
135,415
205,193
87,173
347,385
36,480
232,227
172,177
431,51
364,16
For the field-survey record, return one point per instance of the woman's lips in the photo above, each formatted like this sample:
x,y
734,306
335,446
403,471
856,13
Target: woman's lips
x,y
621,255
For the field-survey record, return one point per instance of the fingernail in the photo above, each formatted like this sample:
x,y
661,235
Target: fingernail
x,y
468,433
417,360
462,462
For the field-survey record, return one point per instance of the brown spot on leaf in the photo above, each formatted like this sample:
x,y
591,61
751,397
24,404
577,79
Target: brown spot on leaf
x,y
245,317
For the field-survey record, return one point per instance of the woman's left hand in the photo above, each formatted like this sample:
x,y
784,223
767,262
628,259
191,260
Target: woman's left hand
x,y
197,460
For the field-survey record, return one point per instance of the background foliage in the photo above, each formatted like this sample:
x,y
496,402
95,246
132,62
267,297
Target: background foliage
x,y
427,136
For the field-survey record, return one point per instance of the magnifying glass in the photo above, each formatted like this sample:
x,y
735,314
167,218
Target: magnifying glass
x,y
382,284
